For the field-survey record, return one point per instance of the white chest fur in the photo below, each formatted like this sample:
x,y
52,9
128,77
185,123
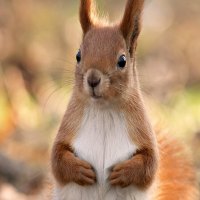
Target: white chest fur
x,y
103,141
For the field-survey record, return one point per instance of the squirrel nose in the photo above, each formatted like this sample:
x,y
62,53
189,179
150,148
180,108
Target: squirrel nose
x,y
93,81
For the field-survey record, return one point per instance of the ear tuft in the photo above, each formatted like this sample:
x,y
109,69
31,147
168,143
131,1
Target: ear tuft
x,y
86,15
131,23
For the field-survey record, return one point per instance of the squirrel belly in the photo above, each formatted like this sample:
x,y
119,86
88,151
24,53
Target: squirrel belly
x,y
103,141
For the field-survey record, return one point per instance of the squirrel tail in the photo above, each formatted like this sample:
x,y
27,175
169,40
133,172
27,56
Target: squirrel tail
x,y
176,176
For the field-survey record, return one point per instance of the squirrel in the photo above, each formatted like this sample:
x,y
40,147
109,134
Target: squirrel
x,y
106,147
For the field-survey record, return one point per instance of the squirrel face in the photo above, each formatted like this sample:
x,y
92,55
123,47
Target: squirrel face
x,y
104,70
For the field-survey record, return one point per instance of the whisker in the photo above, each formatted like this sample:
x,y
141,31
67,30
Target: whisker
x,y
49,96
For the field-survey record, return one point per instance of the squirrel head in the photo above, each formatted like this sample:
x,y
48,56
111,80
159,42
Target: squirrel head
x,y
106,59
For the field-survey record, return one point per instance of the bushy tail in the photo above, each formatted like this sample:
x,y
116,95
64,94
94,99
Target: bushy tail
x,y
176,176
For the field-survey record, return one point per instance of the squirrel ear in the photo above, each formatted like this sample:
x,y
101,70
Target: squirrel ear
x,y
131,23
85,15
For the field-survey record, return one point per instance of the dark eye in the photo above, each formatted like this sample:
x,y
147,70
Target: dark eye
x,y
78,56
122,61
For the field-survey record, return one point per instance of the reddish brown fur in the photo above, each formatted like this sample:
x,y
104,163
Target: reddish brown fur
x,y
85,15
144,162
65,166
131,23
109,42
122,92
176,175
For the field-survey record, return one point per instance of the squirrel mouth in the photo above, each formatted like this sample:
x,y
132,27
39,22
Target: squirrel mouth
x,y
95,96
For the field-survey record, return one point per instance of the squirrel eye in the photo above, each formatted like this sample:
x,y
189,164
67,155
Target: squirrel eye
x,y
78,56
122,61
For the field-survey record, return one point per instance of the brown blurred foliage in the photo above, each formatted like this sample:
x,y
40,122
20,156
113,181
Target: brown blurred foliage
x,y
38,41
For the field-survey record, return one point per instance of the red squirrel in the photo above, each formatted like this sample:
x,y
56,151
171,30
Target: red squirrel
x,y
106,147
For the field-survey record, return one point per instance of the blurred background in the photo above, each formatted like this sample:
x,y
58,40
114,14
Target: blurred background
x,y
38,43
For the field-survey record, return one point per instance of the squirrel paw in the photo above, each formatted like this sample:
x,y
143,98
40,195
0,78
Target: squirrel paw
x,y
84,174
121,174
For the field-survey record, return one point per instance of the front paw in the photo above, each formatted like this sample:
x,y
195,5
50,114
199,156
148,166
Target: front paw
x,y
121,174
140,171
84,174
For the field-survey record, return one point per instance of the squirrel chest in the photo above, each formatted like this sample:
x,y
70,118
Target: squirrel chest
x,y
103,141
